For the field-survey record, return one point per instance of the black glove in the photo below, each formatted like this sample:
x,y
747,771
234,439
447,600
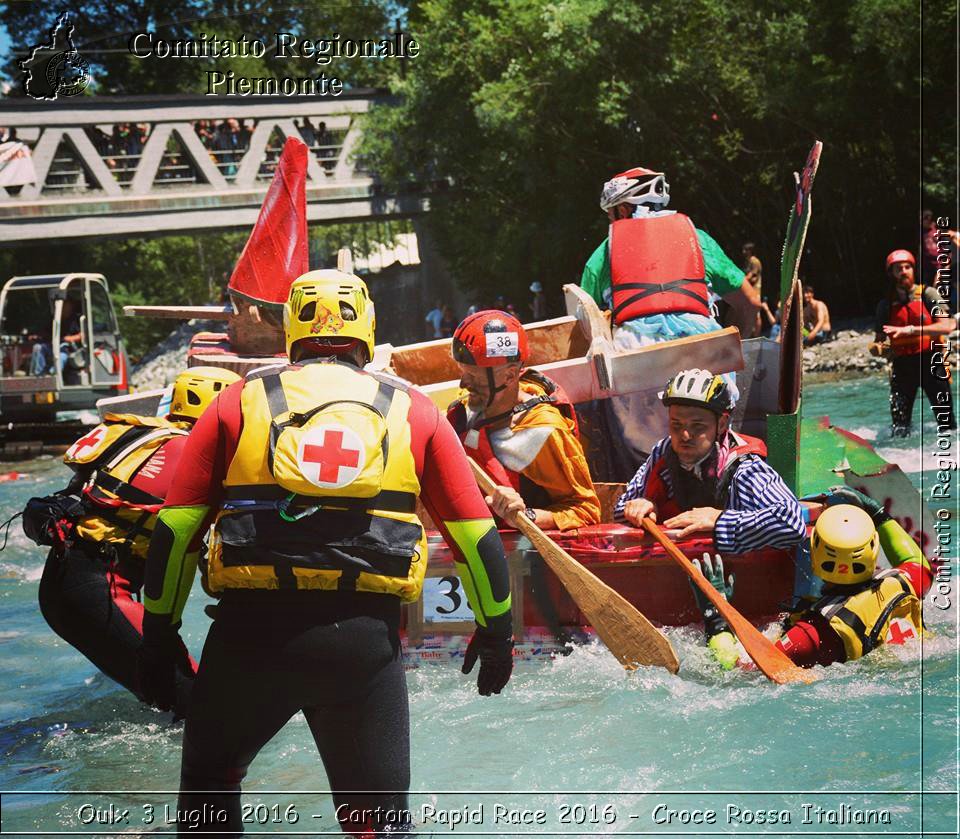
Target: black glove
x,y
848,495
48,520
496,660
161,654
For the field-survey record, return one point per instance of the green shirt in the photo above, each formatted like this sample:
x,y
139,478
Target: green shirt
x,y
723,276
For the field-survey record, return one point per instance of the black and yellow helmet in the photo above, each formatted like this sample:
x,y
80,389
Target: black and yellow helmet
x,y
329,304
699,388
197,387
844,545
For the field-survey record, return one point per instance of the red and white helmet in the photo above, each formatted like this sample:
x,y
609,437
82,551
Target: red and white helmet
x,y
900,256
635,186
490,338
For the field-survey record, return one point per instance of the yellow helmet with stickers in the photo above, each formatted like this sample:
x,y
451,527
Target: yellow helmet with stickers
x,y
329,306
844,545
197,387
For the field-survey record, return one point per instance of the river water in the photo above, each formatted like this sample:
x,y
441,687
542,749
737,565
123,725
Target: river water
x,y
574,747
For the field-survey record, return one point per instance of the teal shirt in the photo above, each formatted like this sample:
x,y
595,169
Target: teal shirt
x,y
723,276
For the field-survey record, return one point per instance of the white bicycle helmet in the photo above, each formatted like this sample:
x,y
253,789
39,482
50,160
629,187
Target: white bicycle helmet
x,y
636,186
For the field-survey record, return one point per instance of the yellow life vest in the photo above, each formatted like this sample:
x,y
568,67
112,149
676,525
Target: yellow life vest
x,y
321,492
865,620
120,513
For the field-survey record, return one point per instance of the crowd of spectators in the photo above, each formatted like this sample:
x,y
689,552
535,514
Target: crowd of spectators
x,y
226,142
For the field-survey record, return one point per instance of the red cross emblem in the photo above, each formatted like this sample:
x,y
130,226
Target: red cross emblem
x,y
331,456
900,630
90,441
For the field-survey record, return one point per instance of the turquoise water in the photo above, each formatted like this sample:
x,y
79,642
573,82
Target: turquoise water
x,y
596,750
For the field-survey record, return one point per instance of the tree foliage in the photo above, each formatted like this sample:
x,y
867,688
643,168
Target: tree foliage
x,y
523,108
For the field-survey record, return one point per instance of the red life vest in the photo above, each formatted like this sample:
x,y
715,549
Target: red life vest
x,y
715,491
656,267
912,313
476,442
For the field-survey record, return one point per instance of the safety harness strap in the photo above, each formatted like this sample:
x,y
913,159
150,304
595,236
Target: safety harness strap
x,y
648,289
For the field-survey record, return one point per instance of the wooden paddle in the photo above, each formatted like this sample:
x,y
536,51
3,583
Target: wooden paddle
x,y
626,632
773,662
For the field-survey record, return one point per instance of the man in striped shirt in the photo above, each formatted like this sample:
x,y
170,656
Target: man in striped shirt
x,y
704,478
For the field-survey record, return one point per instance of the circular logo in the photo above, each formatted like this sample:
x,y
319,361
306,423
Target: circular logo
x,y
331,456
68,74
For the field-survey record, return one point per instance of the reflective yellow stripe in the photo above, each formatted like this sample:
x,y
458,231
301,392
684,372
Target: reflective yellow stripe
x,y
467,534
183,522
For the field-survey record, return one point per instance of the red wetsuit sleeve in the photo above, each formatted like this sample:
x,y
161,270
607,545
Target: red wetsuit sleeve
x,y
447,486
198,480
155,476
920,577
810,642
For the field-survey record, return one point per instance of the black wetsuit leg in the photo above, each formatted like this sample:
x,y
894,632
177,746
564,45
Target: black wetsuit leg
x,y
91,607
333,655
905,376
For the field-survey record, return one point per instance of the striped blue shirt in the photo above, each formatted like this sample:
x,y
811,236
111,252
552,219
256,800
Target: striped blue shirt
x,y
761,513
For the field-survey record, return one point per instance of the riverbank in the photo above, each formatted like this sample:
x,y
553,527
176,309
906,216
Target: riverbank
x,y
848,353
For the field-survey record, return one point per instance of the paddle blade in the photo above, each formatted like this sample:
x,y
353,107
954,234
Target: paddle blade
x,y
770,659
624,630
631,638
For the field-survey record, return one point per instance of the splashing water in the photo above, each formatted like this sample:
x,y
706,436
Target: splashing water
x,y
577,738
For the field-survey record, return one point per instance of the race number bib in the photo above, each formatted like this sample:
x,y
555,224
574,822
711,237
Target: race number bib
x,y
502,344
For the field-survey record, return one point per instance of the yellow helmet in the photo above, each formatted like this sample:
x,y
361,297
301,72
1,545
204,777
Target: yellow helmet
x,y
329,304
197,387
844,545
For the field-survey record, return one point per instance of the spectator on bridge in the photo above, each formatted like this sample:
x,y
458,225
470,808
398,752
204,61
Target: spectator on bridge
x,y
325,141
307,132
205,131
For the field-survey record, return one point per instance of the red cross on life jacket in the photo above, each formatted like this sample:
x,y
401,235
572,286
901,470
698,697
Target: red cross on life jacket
x,y
331,456
90,441
900,631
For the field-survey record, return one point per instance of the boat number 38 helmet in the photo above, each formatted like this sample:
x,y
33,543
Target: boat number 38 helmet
x,y
196,388
489,338
699,388
844,545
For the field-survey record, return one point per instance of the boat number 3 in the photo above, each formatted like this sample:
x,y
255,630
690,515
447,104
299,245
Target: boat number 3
x,y
453,594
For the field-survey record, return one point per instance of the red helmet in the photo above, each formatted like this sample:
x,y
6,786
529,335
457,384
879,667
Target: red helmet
x,y
900,255
490,338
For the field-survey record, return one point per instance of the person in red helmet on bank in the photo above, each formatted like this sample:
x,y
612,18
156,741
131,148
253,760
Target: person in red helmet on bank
x,y
520,427
910,321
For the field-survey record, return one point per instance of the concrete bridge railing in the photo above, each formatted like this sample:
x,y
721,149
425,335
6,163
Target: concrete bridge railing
x,y
121,166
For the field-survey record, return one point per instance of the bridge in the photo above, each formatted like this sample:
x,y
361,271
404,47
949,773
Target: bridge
x,y
136,166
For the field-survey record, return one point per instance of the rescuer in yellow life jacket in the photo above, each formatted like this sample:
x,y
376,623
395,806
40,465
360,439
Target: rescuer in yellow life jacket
x,y
100,526
310,474
860,607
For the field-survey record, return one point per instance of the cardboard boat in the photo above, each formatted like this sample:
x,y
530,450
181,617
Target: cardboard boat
x,y
577,351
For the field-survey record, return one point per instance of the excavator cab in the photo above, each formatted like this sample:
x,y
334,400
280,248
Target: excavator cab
x,y
60,351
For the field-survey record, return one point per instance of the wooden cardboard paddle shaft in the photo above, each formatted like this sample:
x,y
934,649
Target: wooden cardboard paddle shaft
x,y
771,661
626,632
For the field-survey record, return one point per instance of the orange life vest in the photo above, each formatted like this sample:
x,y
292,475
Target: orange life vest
x,y
656,267
708,492
476,442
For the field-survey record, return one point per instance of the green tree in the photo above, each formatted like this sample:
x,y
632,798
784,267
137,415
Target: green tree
x,y
516,112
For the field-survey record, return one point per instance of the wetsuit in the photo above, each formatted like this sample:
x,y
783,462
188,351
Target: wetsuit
x,y
88,587
333,654
917,362
812,635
